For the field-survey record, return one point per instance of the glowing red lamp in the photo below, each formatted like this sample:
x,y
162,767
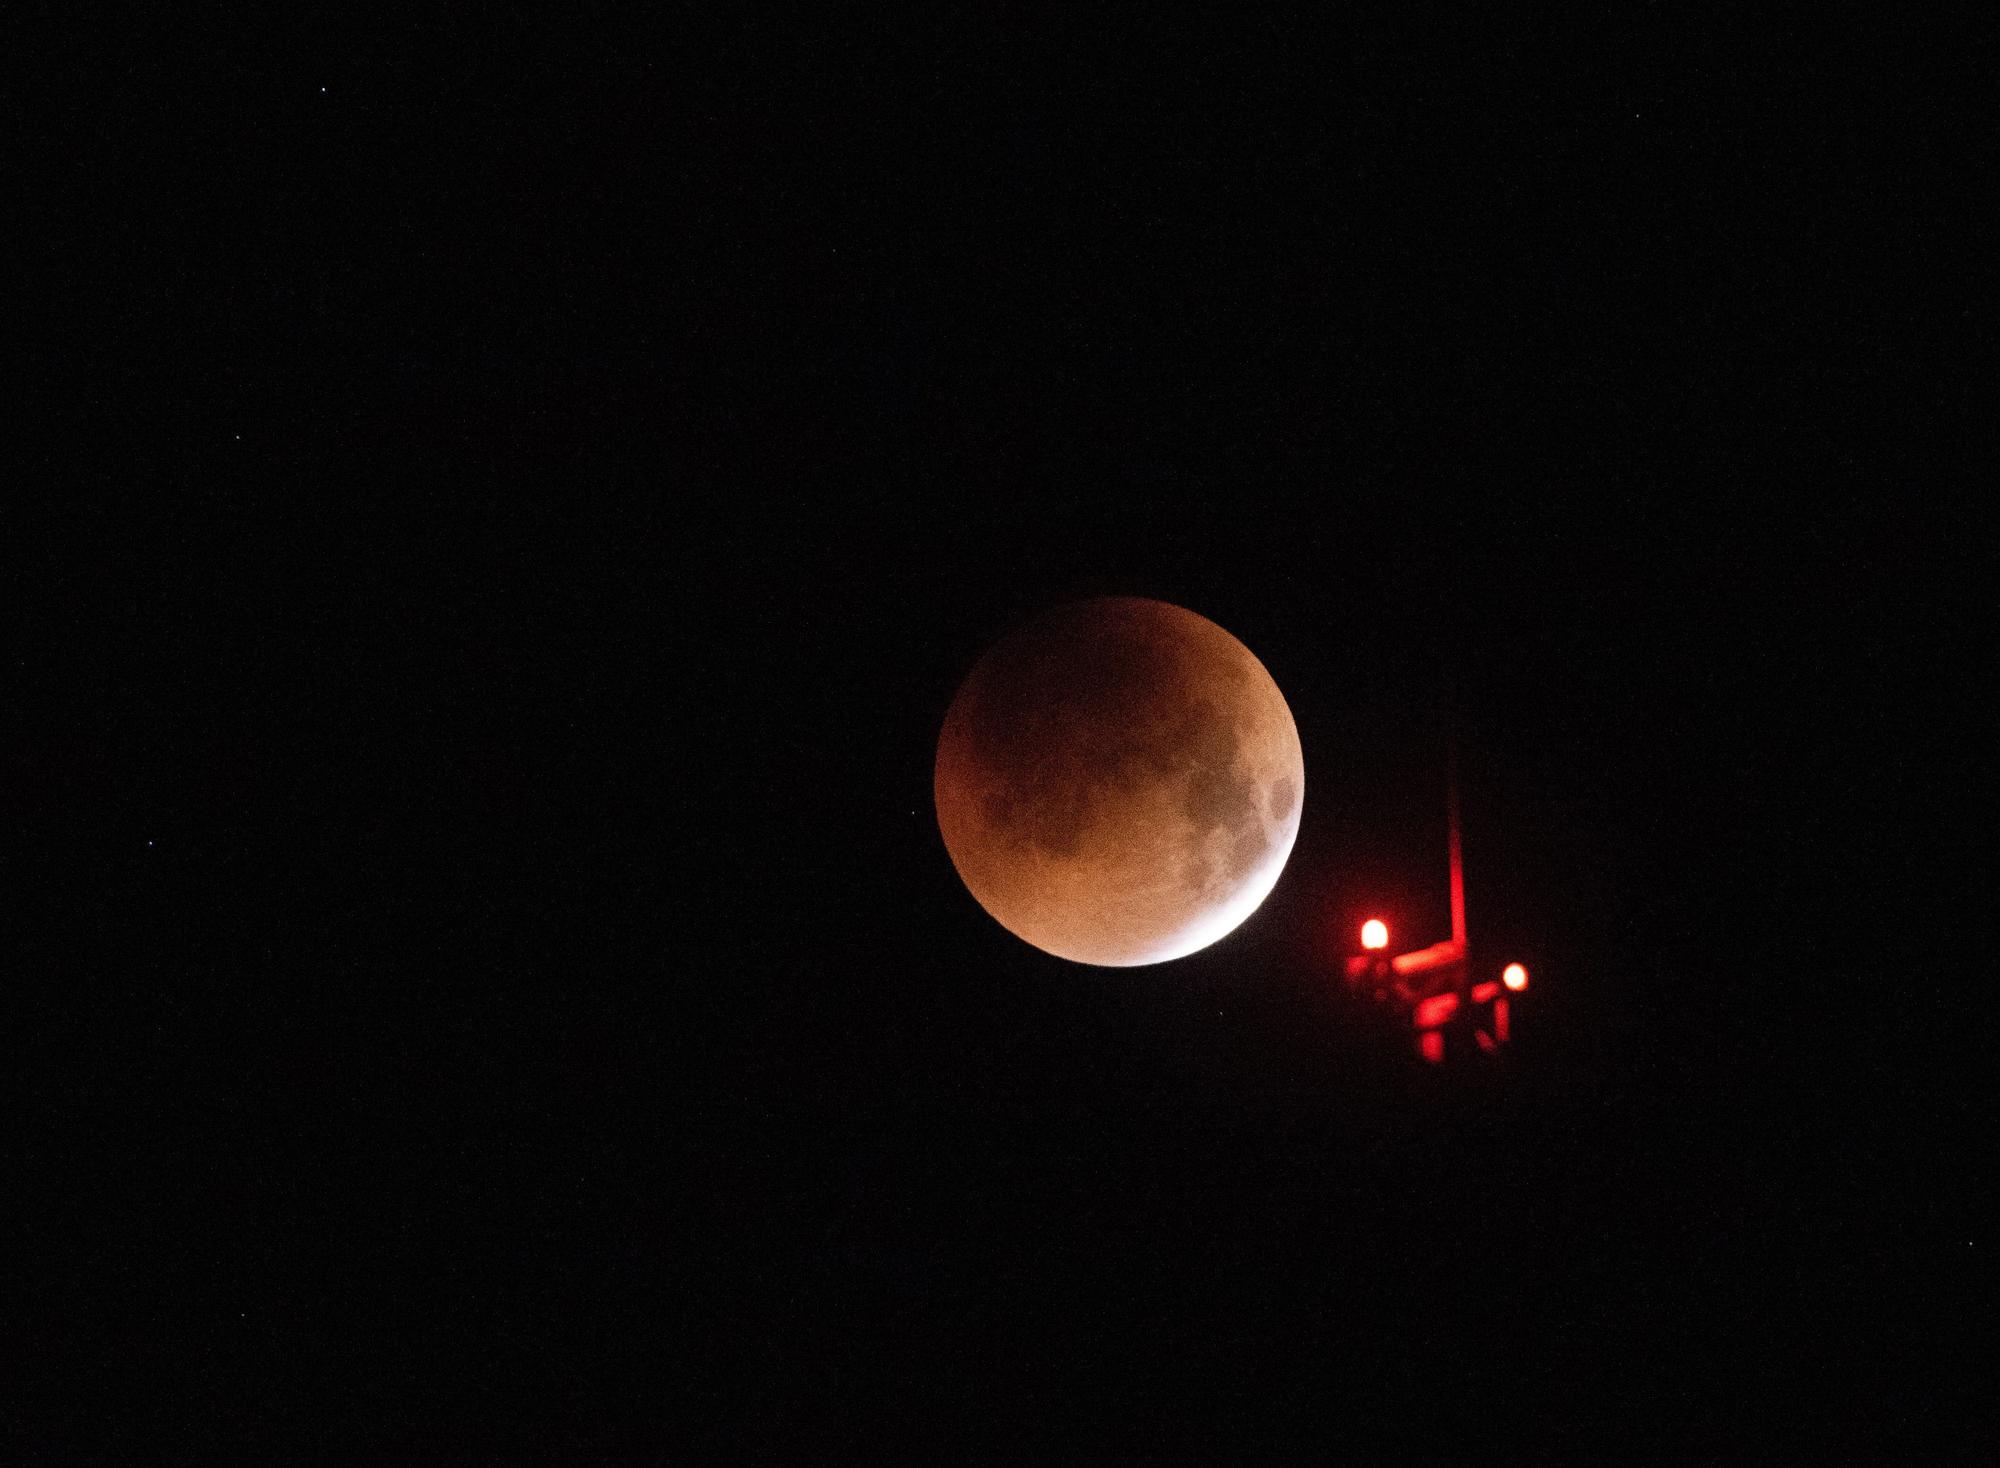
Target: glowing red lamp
x,y
1515,977
1374,934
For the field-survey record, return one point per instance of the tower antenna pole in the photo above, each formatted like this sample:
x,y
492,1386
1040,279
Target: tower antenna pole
x,y
1457,856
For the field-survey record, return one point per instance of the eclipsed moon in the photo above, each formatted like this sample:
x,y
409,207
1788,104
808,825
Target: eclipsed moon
x,y
1119,782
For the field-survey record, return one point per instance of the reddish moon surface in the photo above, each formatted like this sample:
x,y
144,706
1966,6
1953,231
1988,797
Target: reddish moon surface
x,y
1119,782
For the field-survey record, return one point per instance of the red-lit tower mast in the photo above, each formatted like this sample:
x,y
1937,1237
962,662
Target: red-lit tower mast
x,y
1434,985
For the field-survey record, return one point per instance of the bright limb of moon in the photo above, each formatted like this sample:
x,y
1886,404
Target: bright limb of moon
x,y
1119,782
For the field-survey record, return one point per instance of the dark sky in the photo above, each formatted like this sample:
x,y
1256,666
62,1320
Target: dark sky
x,y
517,505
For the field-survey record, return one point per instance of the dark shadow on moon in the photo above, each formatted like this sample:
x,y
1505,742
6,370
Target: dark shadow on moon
x,y
1038,720
1219,791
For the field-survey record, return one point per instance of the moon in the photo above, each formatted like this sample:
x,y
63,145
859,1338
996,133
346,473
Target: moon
x,y
1119,782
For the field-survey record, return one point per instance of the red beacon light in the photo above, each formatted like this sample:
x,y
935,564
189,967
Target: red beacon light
x,y
1515,977
1374,934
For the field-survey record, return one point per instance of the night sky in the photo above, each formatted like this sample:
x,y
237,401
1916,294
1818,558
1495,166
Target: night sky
x,y
514,509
